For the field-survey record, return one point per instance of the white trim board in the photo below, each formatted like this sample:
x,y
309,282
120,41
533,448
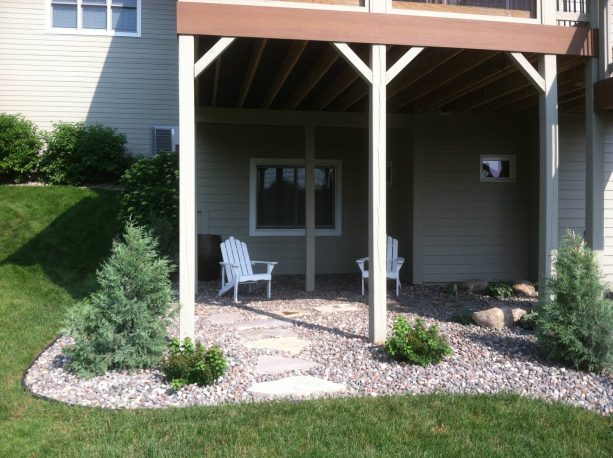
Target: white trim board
x,y
338,197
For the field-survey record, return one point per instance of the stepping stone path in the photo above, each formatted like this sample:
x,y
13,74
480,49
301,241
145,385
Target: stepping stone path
x,y
301,385
267,333
266,323
276,364
288,344
223,318
294,313
337,308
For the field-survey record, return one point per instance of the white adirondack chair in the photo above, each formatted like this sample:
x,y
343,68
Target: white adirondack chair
x,y
237,267
393,264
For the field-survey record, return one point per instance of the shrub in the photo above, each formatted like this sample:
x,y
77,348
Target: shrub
x,y
500,290
575,327
79,153
123,324
417,344
186,364
20,145
529,321
151,197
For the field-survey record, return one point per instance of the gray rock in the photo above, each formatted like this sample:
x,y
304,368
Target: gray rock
x,y
475,286
524,288
498,317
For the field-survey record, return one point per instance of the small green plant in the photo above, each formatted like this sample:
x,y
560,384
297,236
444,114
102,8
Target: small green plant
x,y
20,145
575,327
188,364
500,290
416,344
464,316
150,197
79,153
123,324
529,321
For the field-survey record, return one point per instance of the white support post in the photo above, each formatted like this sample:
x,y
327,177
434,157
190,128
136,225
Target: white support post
x,y
187,188
377,212
549,162
595,70
309,143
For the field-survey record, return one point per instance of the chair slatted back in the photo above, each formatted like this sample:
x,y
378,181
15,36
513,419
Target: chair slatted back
x,y
392,253
235,252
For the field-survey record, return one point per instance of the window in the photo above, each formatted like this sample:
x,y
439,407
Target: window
x,y
164,138
278,197
114,17
497,168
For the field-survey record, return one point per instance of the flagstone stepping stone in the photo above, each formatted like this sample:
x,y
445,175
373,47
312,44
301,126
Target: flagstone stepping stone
x,y
276,364
224,318
288,344
266,323
294,313
300,385
332,308
264,333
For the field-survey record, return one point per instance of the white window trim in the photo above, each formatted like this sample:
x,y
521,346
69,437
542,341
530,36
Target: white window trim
x,y
338,196
97,32
498,157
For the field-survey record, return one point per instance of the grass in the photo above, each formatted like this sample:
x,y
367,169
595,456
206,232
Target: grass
x,y
52,240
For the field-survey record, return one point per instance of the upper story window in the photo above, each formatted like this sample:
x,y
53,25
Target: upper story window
x,y
107,17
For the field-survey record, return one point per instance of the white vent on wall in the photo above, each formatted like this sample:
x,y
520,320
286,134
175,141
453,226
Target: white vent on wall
x,y
164,138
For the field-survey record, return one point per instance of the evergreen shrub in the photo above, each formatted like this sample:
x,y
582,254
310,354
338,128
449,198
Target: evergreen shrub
x,y
193,364
416,344
79,153
20,145
150,196
575,327
123,324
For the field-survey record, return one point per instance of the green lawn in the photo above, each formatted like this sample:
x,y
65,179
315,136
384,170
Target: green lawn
x,y
52,240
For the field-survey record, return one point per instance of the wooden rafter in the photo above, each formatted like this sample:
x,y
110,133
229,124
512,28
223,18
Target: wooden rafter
x,y
345,79
293,54
325,61
484,74
463,63
252,67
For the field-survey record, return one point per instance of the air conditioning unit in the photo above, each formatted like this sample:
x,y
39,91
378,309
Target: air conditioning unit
x,y
164,138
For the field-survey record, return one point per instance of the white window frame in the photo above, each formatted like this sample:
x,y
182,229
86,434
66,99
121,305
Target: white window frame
x,y
498,157
79,30
338,197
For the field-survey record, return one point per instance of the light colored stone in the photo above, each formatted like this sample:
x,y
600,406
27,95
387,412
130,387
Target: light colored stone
x,y
524,288
300,385
333,308
265,323
498,317
475,286
277,364
288,344
223,318
294,313
266,333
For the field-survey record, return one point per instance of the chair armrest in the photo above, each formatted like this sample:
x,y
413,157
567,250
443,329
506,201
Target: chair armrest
x,y
229,264
270,265
398,262
361,262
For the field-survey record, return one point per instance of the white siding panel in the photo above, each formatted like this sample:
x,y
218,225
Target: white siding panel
x,y
128,83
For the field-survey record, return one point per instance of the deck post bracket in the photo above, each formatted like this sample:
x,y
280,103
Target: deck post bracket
x,y
212,54
354,60
528,70
401,63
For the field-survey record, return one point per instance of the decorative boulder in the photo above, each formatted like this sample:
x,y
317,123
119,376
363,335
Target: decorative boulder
x,y
524,288
475,286
498,317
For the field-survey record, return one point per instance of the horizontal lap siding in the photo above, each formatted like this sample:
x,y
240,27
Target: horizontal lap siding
x,y
224,154
473,229
125,82
607,259
572,175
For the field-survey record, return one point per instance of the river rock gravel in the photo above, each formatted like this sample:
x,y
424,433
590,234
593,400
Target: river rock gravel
x,y
484,360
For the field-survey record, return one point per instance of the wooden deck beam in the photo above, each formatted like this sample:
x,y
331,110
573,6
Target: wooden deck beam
x,y
381,28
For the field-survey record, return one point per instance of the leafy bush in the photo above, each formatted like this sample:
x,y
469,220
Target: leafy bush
x,y
417,344
80,153
20,145
576,326
500,290
151,197
529,321
123,324
187,364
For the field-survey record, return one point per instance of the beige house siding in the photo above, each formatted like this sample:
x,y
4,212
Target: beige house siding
x,y
129,83
224,153
607,259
